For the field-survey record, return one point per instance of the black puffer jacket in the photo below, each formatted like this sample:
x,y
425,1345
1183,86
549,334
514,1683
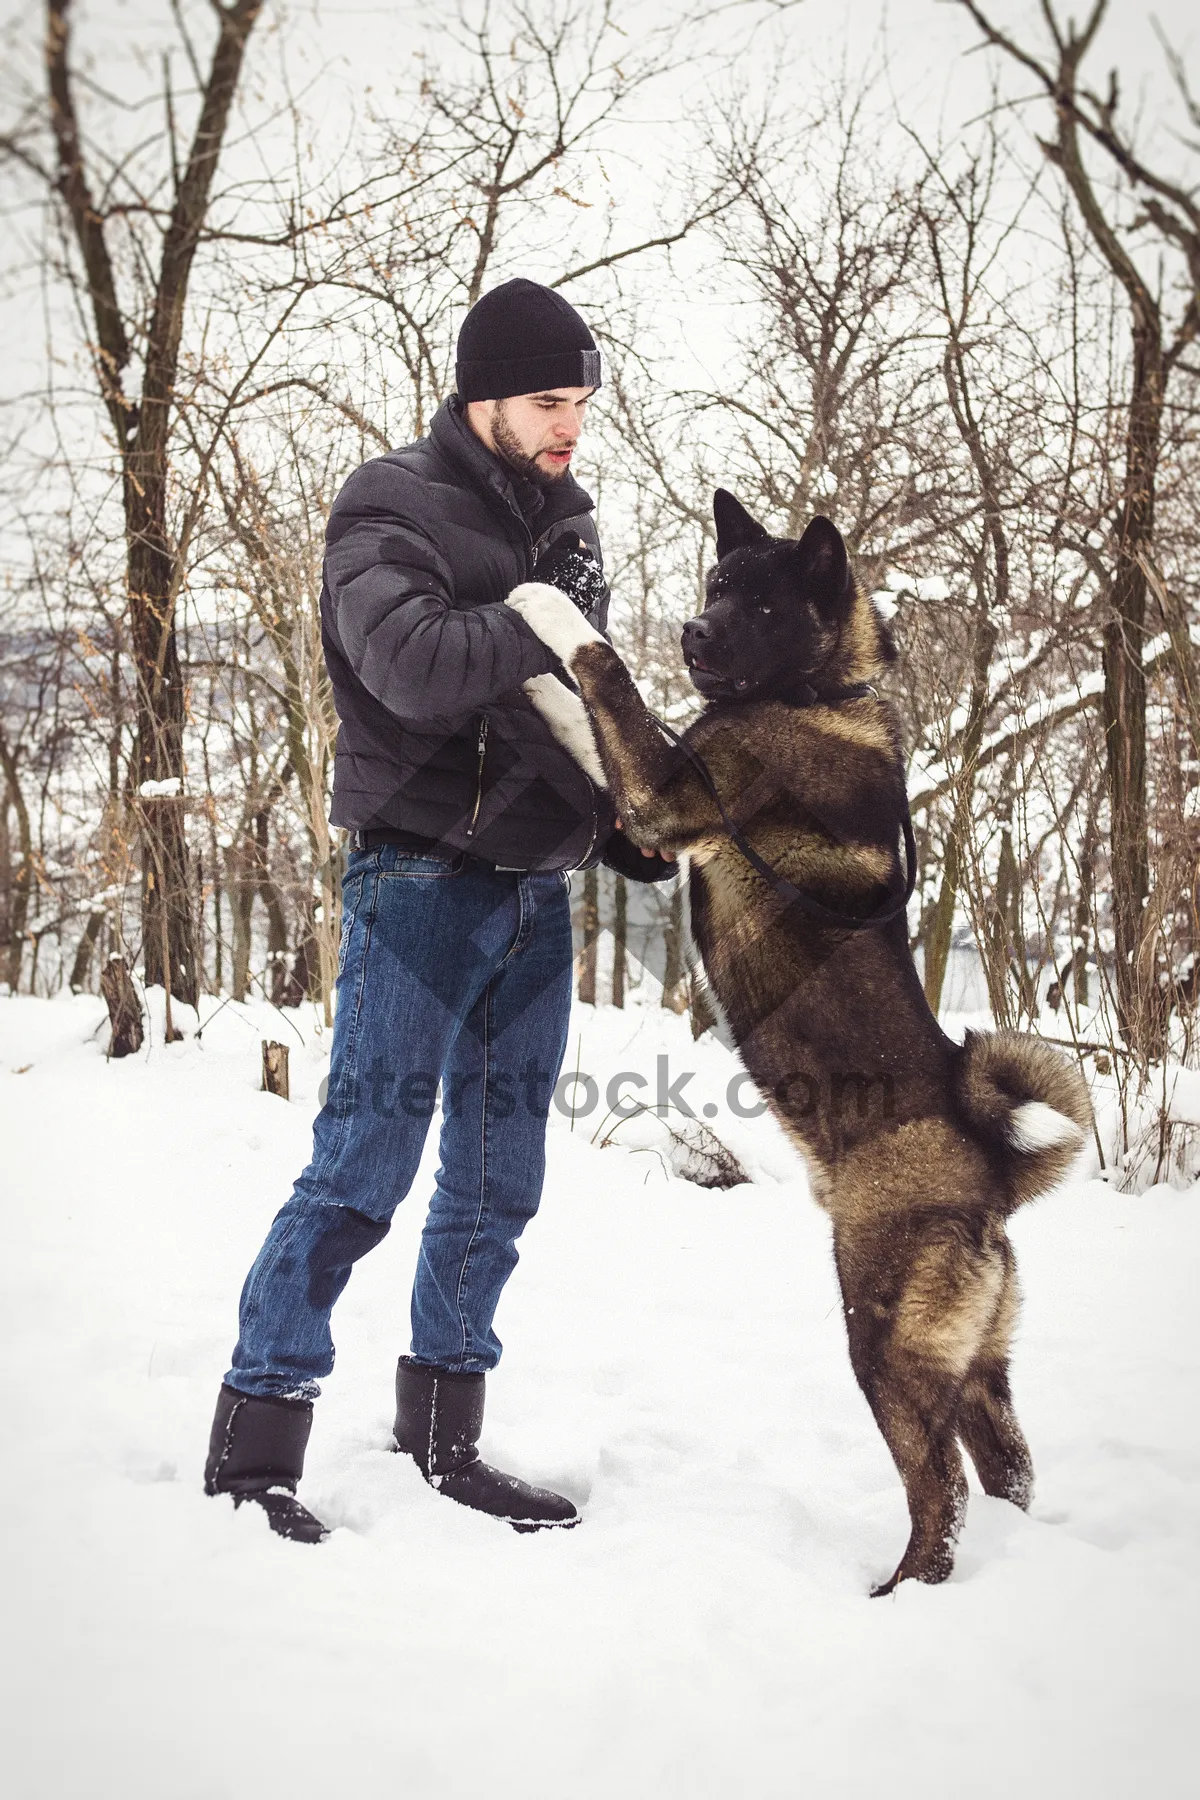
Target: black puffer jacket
x,y
427,662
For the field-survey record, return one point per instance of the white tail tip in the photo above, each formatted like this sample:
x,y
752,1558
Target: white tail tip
x,y
1036,1126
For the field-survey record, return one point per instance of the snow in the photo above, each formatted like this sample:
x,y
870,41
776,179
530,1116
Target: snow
x,y
910,587
676,1362
1184,1096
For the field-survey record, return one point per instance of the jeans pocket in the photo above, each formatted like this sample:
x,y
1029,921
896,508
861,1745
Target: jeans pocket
x,y
412,867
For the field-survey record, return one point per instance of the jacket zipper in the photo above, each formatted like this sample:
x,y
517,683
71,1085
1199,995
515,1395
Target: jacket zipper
x,y
481,746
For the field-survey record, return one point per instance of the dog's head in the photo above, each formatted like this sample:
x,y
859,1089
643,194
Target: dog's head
x,y
783,616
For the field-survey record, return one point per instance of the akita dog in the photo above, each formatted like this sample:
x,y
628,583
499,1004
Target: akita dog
x,y
918,1147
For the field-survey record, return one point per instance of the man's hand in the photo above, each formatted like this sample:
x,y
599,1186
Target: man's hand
x,y
569,566
667,855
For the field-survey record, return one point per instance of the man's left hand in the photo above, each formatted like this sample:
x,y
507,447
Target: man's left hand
x,y
569,565
667,855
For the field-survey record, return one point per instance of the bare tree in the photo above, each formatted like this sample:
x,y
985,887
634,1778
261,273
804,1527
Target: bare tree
x,y
144,324
1085,119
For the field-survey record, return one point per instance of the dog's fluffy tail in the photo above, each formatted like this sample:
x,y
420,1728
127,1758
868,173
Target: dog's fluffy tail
x,y
1027,1102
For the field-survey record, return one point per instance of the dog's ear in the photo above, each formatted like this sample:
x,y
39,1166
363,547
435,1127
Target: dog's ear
x,y
824,567
735,527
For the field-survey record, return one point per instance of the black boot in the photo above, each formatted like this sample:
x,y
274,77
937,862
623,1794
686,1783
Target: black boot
x,y
256,1452
438,1420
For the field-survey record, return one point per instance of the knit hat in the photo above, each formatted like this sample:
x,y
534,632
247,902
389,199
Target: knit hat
x,y
523,338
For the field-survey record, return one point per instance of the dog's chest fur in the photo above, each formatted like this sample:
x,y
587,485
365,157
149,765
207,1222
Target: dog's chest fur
x,y
836,1019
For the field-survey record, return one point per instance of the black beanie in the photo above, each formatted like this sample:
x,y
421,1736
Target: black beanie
x,y
521,339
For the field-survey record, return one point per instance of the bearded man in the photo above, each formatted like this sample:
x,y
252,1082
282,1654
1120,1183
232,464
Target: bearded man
x,y
465,815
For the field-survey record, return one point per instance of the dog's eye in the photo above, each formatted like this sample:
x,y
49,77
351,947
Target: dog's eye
x,y
765,609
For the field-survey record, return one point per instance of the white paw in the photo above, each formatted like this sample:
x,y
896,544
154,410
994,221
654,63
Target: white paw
x,y
556,620
567,717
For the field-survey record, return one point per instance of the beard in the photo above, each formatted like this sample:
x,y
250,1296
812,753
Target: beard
x,y
509,450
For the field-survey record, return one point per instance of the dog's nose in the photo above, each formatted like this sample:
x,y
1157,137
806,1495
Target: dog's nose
x,y
695,633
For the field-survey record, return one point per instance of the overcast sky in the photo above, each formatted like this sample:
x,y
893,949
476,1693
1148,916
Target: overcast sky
x,y
347,46
926,39
337,50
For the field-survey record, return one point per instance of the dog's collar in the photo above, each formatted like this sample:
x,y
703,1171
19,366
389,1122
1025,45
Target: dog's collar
x,y
808,695
857,690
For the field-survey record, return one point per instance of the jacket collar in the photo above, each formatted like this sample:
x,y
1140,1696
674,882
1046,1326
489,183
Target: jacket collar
x,y
539,508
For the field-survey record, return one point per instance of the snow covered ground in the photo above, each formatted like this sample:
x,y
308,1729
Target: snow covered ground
x,y
676,1362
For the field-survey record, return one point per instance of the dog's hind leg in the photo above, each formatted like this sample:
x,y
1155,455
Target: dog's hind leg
x,y
916,1326
914,1405
987,1422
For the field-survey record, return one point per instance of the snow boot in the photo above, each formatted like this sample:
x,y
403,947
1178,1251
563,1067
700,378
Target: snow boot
x,y
256,1452
438,1420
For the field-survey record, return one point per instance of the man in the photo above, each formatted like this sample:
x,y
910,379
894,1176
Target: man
x,y
455,961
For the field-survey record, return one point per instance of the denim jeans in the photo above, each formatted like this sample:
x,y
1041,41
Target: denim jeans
x,y
449,970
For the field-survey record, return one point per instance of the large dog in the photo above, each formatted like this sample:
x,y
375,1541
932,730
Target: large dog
x,y
918,1147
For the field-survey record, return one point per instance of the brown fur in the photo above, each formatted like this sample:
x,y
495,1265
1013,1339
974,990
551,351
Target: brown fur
x,y
909,1137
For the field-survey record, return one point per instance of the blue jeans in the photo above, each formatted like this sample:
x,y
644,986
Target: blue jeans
x,y
448,970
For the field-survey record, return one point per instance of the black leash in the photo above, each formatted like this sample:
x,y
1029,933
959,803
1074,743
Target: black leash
x,y
825,915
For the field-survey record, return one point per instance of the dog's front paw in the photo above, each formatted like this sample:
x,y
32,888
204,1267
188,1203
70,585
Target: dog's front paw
x,y
555,619
567,717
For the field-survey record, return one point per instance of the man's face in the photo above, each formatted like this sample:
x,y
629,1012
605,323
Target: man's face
x,y
535,434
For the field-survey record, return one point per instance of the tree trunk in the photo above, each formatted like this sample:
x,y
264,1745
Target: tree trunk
x,y
959,847
218,929
1124,708
1011,948
590,921
1084,911
21,887
6,875
168,928
242,886
84,951
277,940
940,930
304,977
620,940
124,1007
993,926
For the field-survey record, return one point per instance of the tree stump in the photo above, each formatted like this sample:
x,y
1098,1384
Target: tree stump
x,y
124,1007
275,1070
